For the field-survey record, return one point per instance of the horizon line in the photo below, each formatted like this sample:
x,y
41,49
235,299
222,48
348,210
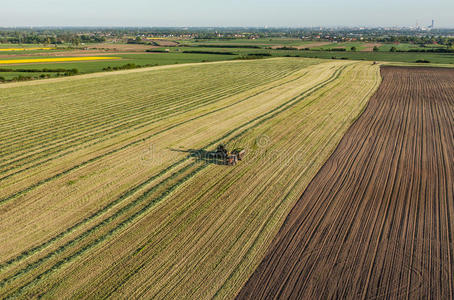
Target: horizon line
x,y
226,26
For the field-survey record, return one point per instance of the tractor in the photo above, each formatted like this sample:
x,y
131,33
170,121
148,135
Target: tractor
x,y
230,158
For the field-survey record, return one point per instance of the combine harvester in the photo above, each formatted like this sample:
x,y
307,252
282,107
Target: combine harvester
x,y
230,158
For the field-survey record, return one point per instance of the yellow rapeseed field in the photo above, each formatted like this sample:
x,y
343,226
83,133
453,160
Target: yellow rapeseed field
x,y
23,49
59,59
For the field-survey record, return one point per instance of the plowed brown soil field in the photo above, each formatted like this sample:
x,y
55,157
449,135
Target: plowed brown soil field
x,y
378,219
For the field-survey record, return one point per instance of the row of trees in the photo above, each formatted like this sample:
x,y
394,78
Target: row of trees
x,y
421,40
48,37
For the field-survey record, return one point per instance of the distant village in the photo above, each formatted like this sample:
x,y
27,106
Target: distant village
x,y
40,35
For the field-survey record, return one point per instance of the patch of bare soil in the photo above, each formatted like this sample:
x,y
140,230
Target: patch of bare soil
x,y
121,47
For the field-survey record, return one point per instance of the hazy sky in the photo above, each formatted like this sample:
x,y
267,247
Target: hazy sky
x,y
294,13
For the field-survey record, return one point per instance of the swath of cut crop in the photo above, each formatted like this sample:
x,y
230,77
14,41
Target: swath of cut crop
x,y
376,221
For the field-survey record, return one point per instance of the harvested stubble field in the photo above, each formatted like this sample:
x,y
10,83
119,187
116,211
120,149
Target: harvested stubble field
x,y
377,220
103,192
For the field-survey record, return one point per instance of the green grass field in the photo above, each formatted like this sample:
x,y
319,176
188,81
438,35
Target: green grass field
x,y
407,46
359,46
435,58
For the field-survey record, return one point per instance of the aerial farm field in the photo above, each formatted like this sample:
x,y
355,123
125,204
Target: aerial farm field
x,y
376,221
107,188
